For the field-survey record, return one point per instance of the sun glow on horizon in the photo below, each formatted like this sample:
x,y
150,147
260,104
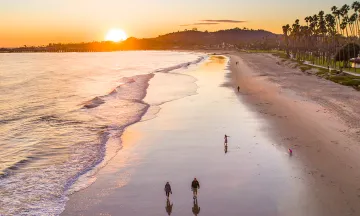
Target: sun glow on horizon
x,y
115,35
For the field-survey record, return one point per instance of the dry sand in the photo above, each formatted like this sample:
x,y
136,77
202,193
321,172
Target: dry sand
x,y
318,119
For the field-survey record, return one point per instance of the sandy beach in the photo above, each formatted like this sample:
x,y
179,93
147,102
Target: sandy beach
x,y
315,117
277,108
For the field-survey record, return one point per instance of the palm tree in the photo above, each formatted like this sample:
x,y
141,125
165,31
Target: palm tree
x,y
331,29
314,36
322,31
356,7
286,30
344,25
307,19
337,14
295,35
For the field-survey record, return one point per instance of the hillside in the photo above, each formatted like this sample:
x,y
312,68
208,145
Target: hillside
x,y
189,39
232,36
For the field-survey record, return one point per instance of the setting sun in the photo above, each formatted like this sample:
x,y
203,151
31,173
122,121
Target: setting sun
x,y
116,35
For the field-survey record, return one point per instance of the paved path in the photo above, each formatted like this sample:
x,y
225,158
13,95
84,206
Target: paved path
x,y
318,66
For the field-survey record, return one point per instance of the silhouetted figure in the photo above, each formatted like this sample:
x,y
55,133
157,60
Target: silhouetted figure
x,y
167,189
168,207
238,88
196,208
226,149
225,139
195,185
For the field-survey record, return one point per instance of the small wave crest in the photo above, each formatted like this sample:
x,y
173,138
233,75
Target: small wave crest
x,y
132,88
97,101
179,66
126,97
53,119
10,168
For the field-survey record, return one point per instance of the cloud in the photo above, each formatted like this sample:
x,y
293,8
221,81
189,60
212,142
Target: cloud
x,y
202,23
223,21
213,22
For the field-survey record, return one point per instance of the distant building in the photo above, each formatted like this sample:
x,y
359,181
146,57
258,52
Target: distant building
x,y
355,62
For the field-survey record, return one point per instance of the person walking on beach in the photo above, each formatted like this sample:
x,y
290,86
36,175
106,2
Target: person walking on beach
x,y
225,139
167,189
194,187
238,88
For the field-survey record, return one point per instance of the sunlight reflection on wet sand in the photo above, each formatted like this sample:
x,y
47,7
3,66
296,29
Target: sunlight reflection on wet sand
x,y
253,177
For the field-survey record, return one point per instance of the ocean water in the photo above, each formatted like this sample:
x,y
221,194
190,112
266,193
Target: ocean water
x,y
59,110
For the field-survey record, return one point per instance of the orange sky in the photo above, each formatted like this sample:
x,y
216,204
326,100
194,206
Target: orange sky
x,y
39,22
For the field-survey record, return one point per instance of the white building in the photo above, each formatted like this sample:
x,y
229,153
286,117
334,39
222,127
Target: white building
x,y
355,62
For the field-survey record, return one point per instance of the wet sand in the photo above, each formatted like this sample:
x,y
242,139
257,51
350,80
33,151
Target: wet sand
x,y
256,176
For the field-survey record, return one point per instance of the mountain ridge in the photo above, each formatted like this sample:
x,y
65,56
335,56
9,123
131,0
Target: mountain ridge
x,y
188,39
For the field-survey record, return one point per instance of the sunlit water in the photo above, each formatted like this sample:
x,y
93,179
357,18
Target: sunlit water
x,y
57,111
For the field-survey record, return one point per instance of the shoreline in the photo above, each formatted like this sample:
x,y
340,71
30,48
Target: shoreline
x,y
320,178
302,118
255,176
183,141
113,142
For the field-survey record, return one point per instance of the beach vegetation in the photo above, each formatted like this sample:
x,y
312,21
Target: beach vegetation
x,y
346,52
281,54
322,72
304,68
332,75
346,80
330,39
